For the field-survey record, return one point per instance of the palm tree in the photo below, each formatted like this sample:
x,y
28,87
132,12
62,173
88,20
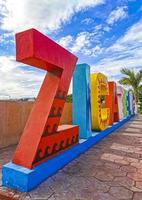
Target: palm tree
x,y
133,80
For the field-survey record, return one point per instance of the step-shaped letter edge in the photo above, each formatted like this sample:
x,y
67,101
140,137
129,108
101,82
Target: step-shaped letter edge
x,y
99,114
120,92
81,100
112,103
42,137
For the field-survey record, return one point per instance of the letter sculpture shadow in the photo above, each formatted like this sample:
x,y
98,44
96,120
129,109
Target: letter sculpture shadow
x,y
43,137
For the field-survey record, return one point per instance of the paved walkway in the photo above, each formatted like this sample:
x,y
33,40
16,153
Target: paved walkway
x,y
110,170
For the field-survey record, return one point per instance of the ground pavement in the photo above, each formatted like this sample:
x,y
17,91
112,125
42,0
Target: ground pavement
x,y
110,170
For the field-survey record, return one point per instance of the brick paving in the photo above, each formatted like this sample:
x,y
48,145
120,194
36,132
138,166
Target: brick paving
x,y
110,170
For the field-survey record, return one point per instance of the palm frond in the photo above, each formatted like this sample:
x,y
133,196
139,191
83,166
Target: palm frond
x,y
139,76
128,72
132,79
125,81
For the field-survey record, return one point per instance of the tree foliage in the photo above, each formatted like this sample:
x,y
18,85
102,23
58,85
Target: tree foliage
x,y
132,79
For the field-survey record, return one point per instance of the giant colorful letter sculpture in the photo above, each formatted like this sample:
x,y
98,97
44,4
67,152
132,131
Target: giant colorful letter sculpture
x,y
125,103
95,105
130,103
120,92
43,137
100,114
88,111
81,100
112,103
98,98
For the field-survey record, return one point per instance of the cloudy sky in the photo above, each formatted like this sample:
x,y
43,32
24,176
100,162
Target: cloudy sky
x,y
106,34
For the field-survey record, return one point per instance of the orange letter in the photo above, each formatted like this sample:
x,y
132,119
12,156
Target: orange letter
x,y
112,103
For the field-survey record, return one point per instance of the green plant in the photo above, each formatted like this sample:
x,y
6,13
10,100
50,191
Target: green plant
x,y
133,80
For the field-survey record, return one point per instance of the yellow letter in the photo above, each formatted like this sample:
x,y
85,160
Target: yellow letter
x,y
99,89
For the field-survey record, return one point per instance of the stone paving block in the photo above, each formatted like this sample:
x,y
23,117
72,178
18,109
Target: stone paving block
x,y
128,168
122,161
121,193
111,165
60,182
139,126
103,196
123,181
135,176
137,165
104,176
7,194
116,172
135,189
134,155
139,170
42,192
137,196
132,130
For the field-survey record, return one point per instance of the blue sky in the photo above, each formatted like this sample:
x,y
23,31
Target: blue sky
x,y
106,34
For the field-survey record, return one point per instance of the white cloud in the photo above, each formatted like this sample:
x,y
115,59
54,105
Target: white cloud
x,y
106,28
82,40
66,41
16,82
131,42
126,52
77,44
96,50
49,15
83,43
45,15
7,38
87,21
117,14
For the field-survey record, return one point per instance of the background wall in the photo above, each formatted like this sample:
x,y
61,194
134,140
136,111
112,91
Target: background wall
x,y
13,117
